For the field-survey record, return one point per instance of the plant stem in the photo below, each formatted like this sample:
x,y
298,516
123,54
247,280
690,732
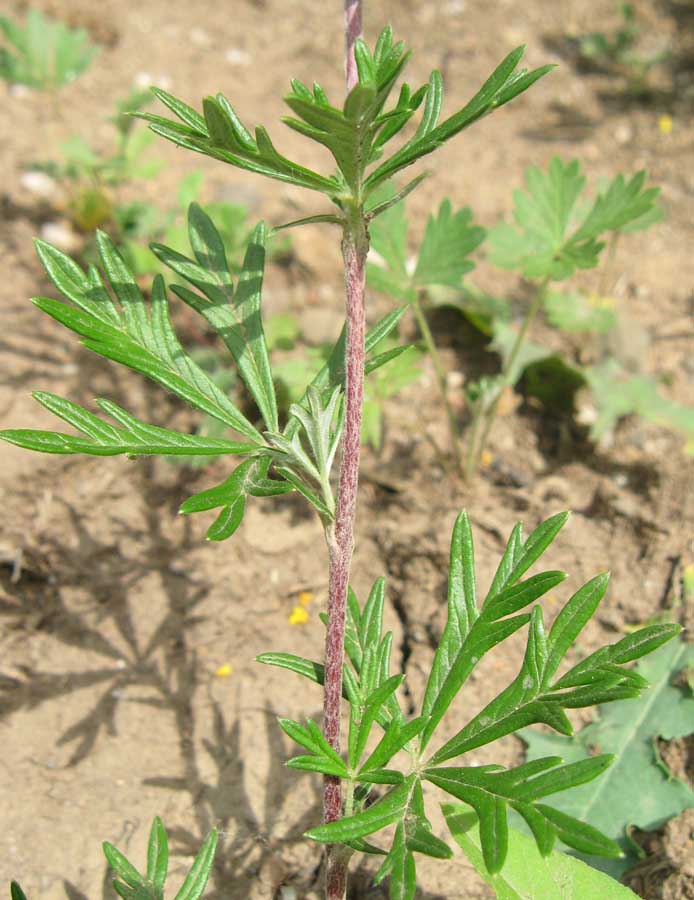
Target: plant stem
x,y
476,447
432,349
606,281
352,32
341,535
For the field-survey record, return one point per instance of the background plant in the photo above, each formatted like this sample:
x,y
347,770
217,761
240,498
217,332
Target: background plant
x,y
621,52
43,53
89,177
558,231
130,884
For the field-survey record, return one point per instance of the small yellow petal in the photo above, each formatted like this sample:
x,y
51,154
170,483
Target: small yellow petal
x,y
305,598
298,616
224,671
665,124
486,459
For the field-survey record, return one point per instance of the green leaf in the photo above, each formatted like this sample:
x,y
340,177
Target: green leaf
x,y
380,814
490,791
448,241
122,866
307,668
221,135
503,85
578,313
571,621
526,872
617,393
16,893
462,608
546,241
234,314
48,54
629,730
157,856
195,881
136,438
147,346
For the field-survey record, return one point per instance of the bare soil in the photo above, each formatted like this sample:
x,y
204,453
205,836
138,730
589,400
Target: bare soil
x,y
116,614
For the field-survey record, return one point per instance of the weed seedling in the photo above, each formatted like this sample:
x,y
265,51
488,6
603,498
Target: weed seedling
x,y
44,54
375,781
557,231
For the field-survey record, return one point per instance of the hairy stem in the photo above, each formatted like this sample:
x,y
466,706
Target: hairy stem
x,y
341,535
484,418
352,32
432,349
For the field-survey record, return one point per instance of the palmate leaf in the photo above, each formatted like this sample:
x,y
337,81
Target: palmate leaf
x,y
443,258
448,241
629,732
536,695
618,393
468,635
546,241
527,872
491,793
355,134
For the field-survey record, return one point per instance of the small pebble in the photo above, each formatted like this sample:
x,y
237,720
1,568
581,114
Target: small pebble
x,y
238,57
39,183
62,235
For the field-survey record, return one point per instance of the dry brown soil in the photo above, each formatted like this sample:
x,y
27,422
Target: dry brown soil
x,y
116,614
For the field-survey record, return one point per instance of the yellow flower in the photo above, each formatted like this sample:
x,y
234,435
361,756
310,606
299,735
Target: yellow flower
x,y
298,616
224,671
305,598
665,124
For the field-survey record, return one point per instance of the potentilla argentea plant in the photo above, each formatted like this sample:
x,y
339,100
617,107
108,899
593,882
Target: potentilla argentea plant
x,y
113,318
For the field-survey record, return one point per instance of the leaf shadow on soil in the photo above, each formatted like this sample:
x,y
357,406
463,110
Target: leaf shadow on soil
x,y
161,671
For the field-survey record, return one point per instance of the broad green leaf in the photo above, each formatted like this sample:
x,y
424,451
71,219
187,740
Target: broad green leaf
x,y
577,312
629,731
617,393
448,241
526,873
547,241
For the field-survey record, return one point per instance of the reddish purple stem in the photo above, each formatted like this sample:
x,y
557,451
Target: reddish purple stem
x,y
352,32
341,540
355,247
